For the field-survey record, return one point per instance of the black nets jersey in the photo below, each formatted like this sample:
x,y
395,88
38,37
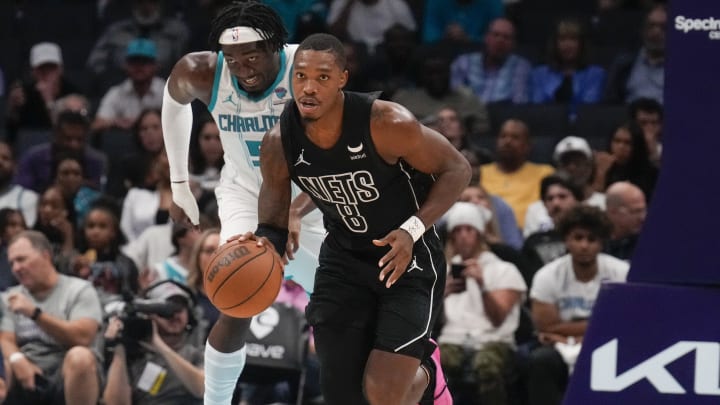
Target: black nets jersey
x,y
361,196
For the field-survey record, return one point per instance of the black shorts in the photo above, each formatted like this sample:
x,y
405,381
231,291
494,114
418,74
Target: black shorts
x,y
399,319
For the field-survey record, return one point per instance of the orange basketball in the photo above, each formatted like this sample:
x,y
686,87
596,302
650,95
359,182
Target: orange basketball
x,y
243,279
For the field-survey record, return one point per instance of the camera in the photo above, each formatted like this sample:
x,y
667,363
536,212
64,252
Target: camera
x,y
135,316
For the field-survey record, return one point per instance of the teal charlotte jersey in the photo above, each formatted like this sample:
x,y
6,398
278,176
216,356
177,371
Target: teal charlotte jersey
x,y
243,119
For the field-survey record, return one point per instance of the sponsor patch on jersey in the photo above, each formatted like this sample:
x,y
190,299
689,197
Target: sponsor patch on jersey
x,y
281,92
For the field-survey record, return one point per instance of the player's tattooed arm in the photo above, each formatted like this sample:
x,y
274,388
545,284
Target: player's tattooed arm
x,y
275,192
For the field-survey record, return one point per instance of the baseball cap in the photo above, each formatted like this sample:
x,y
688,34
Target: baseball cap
x,y
572,144
45,52
166,289
465,213
141,48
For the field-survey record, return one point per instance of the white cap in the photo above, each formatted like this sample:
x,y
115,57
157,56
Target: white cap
x,y
465,213
45,52
165,289
572,144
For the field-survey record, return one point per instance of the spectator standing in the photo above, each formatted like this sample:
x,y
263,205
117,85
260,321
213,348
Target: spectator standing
x,y
496,74
49,333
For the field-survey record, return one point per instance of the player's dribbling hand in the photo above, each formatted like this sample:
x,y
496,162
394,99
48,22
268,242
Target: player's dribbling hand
x,y
261,241
184,209
395,261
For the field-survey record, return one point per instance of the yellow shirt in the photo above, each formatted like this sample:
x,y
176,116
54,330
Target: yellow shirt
x,y
519,189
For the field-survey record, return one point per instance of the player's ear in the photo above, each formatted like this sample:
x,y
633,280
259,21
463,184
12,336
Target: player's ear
x,y
343,78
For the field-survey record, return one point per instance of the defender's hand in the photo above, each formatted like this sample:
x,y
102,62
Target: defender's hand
x,y
184,209
396,260
293,243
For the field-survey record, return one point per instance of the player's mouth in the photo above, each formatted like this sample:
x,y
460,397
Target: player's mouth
x,y
308,105
251,81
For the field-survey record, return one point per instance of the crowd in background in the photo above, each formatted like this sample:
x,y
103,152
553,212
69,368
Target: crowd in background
x,y
557,105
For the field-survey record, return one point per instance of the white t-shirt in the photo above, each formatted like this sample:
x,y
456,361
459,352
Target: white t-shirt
x,y
121,101
555,283
537,218
22,199
467,323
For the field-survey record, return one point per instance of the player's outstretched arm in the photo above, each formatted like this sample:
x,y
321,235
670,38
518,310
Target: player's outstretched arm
x,y
398,135
191,78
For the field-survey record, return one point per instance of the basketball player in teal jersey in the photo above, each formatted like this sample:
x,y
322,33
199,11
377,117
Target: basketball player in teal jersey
x,y
245,84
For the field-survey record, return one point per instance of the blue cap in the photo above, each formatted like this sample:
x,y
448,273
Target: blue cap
x,y
141,48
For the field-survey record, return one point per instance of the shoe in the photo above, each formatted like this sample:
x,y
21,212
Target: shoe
x,y
437,392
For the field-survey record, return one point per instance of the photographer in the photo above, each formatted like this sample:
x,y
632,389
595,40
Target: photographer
x,y
483,295
163,368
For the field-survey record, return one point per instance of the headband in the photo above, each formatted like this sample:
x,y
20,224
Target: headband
x,y
240,35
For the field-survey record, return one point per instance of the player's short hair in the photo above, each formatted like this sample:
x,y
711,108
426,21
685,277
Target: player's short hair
x,y
589,218
252,14
325,43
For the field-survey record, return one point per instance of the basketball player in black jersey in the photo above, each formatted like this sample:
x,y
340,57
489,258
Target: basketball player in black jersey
x,y
381,180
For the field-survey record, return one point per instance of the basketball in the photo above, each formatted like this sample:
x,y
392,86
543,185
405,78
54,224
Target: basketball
x,y
243,279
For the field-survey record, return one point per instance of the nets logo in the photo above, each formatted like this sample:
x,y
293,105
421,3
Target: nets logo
x,y
711,25
604,374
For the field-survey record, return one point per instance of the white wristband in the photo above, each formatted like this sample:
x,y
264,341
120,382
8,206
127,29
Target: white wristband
x,y
414,226
15,357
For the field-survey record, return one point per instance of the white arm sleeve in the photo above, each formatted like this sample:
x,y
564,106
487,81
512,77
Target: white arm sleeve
x,y
177,125
177,122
